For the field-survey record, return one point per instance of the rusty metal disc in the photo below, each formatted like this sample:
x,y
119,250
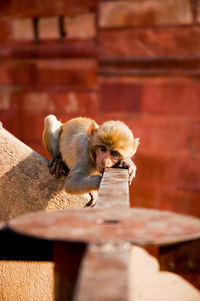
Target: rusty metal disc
x,y
138,226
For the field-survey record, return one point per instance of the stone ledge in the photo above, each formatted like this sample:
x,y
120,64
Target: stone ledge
x,y
25,184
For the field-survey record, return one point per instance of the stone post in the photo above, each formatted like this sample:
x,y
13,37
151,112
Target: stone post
x,y
26,186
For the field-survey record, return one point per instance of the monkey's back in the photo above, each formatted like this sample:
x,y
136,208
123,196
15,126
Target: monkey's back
x,y
74,140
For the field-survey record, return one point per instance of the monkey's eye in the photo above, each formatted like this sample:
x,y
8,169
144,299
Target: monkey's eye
x,y
102,148
114,154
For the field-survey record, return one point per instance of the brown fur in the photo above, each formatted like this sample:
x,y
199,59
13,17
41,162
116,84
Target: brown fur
x,y
118,136
87,148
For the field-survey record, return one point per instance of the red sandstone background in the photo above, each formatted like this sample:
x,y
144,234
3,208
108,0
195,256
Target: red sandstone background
x,y
137,61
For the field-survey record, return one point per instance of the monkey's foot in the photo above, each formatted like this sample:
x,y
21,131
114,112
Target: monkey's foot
x,y
93,200
58,167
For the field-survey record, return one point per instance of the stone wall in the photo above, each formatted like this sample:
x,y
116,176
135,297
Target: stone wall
x,y
137,61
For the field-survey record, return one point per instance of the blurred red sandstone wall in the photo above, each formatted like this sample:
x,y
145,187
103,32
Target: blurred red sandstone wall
x,y
137,61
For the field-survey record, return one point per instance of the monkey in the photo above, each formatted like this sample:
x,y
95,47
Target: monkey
x,y
81,149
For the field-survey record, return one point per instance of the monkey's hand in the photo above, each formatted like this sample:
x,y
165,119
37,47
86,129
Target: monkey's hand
x,y
127,164
93,194
58,167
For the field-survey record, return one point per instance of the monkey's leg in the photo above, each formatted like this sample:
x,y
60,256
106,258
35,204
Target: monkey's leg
x,y
52,130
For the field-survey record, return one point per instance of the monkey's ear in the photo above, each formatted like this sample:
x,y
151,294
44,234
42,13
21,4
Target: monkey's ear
x,y
92,129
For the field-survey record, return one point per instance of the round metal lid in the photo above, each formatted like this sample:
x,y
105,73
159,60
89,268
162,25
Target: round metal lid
x,y
138,226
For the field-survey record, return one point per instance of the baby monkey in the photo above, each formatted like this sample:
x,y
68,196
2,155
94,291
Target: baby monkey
x,y
81,149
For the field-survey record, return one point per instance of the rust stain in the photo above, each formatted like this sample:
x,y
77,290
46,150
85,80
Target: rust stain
x,y
138,226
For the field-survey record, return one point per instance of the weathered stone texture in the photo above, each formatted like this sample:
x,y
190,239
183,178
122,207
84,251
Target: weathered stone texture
x,y
145,12
68,73
150,42
23,8
80,26
26,186
22,29
48,28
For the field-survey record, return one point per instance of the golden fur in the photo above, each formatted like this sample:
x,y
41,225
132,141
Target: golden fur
x,y
87,149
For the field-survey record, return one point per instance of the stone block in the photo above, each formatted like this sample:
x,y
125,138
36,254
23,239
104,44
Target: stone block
x,y
79,73
74,73
144,13
164,197
172,98
5,103
46,102
197,11
155,169
5,32
119,96
79,103
80,26
195,138
11,121
22,9
142,194
150,42
163,136
22,29
188,174
4,76
48,28
179,200
23,112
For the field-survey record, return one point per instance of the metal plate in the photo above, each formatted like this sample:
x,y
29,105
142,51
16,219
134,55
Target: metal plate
x,y
138,226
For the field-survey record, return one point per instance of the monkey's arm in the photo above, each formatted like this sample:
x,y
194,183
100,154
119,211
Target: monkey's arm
x,y
81,183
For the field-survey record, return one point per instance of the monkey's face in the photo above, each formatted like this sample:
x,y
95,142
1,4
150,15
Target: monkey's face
x,y
106,157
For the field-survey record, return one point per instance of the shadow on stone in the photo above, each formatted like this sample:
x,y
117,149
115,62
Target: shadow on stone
x,y
25,182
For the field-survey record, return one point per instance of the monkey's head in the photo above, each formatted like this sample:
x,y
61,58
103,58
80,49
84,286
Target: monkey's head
x,y
111,142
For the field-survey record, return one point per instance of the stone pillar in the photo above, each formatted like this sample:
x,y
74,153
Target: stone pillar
x,y
26,186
